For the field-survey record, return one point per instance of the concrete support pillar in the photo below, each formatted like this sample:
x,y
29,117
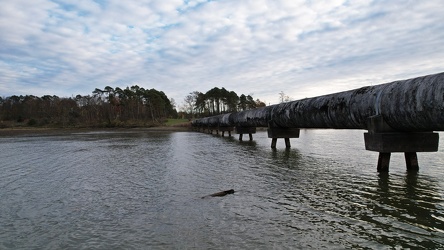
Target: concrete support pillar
x,y
245,130
383,139
407,143
213,128
411,161
287,142
275,132
226,129
383,162
273,142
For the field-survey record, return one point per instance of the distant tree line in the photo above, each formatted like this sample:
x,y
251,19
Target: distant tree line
x,y
218,101
108,107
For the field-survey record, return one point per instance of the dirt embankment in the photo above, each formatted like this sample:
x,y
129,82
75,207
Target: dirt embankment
x,y
8,132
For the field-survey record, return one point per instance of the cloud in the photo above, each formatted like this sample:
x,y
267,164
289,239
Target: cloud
x,y
261,47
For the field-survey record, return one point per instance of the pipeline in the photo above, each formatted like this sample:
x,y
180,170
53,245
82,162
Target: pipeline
x,y
412,105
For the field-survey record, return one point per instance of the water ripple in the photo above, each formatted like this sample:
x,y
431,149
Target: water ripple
x,y
143,190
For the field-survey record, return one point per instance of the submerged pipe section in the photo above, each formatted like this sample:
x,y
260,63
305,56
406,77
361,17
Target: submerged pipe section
x,y
415,104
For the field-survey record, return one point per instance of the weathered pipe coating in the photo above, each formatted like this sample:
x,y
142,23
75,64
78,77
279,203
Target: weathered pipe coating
x,y
408,105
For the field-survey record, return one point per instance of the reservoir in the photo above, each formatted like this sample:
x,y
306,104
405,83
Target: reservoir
x,y
141,189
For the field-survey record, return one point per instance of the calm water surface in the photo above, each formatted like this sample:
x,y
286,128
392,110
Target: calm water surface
x,y
142,190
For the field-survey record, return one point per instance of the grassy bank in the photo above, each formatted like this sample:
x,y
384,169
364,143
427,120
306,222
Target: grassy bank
x,y
24,129
177,123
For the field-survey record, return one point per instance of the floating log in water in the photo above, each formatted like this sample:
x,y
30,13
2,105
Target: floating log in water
x,y
219,194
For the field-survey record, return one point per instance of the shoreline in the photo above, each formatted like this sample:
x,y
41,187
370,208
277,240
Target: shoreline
x,y
28,131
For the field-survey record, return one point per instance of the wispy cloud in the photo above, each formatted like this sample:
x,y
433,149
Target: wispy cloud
x,y
260,47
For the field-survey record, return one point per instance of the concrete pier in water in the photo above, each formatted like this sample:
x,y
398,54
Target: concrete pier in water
x,y
400,116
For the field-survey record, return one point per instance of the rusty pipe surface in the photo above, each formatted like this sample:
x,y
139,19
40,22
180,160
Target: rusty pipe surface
x,y
415,104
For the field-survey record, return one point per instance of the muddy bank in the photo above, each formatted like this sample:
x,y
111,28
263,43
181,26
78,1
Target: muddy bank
x,y
8,132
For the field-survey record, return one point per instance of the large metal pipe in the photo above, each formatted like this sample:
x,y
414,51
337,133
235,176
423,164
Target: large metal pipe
x,y
408,105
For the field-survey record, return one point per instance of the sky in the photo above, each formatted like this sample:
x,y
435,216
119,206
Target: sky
x,y
304,48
